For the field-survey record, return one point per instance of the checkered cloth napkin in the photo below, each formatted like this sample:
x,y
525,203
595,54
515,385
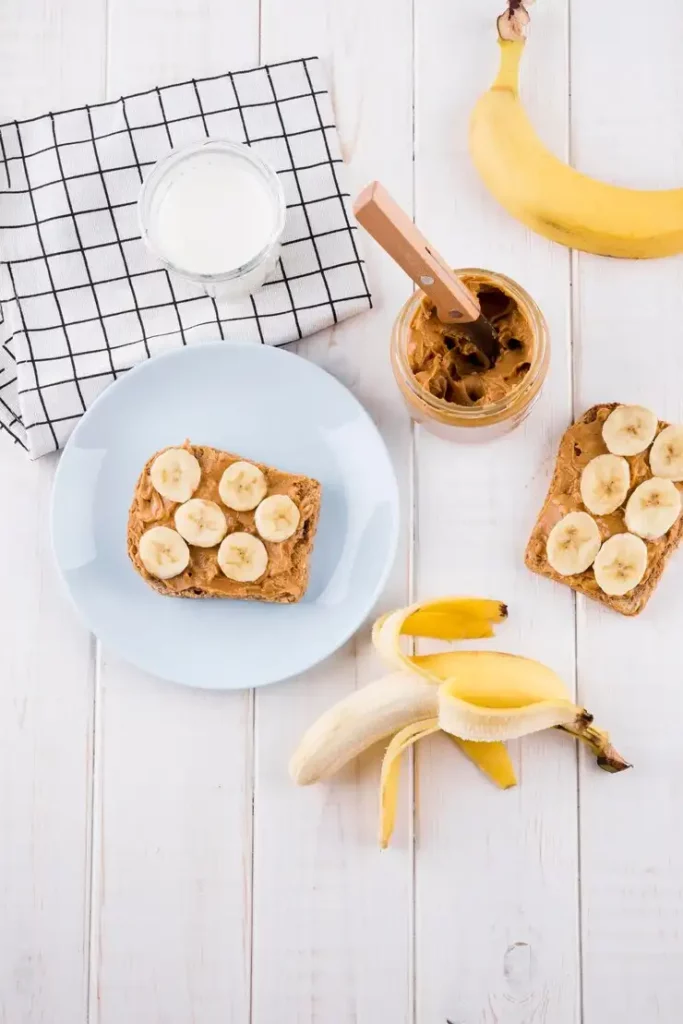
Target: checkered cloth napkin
x,y
81,299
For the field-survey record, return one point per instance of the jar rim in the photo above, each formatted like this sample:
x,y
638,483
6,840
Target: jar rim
x,y
492,409
179,154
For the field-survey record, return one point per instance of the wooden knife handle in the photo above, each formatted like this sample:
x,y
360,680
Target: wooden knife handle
x,y
393,229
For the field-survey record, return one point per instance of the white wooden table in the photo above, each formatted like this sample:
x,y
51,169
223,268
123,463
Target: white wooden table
x,y
156,864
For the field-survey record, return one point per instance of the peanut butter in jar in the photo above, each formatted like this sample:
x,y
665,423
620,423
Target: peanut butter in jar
x,y
449,386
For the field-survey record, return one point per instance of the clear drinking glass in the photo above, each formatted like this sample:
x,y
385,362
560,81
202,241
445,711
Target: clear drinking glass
x,y
231,282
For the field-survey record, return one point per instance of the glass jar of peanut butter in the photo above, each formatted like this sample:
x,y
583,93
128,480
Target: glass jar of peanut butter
x,y
448,385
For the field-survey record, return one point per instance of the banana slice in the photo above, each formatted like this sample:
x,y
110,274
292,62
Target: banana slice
x,y
604,484
163,552
573,543
201,522
242,486
653,508
242,557
277,518
620,564
666,454
629,430
175,474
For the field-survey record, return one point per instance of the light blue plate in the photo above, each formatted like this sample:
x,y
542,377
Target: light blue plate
x,y
267,405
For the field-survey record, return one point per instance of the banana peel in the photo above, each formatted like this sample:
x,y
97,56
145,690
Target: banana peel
x,y
459,619
388,787
480,698
492,759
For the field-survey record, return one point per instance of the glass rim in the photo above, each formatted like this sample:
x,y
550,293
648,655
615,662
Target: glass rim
x,y
474,413
176,156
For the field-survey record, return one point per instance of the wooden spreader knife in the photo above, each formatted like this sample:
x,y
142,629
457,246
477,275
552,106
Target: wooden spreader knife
x,y
393,229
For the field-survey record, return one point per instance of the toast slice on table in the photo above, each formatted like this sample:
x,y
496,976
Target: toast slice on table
x,y
206,523
581,443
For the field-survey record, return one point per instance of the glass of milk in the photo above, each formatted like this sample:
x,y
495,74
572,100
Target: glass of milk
x,y
214,213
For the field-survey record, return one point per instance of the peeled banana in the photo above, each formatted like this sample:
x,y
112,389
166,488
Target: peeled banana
x,y
480,698
549,196
364,717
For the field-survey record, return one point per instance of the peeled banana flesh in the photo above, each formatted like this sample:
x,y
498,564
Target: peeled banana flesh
x,y
480,698
364,717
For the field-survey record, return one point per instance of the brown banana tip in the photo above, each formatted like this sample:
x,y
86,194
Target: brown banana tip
x,y
513,22
607,756
503,610
611,761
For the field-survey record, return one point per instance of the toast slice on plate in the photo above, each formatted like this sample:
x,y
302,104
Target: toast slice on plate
x,y
285,578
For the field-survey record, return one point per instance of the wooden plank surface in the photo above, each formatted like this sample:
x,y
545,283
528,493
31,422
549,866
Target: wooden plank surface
x,y
627,129
332,918
171,896
156,863
46,658
496,872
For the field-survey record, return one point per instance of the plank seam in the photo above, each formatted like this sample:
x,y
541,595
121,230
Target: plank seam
x,y
412,560
251,824
93,877
573,320
93,880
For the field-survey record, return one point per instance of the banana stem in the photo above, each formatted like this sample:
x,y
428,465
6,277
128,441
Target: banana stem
x,y
512,24
609,759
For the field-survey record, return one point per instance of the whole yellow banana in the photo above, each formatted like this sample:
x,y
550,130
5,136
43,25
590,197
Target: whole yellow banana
x,y
552,198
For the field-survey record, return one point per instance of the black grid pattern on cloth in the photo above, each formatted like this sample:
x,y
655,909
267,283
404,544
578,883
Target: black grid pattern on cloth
x,y
81,299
